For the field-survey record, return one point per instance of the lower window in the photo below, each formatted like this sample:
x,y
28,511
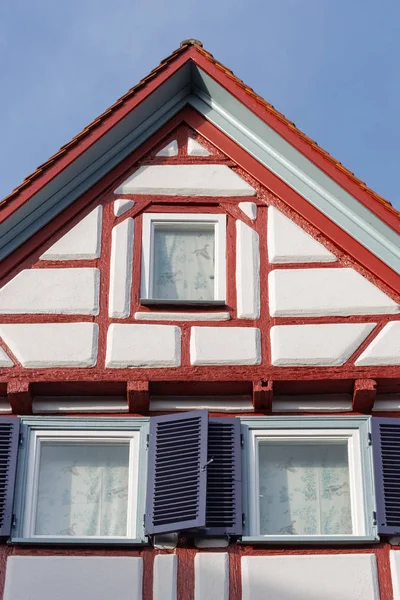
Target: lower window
x,y
83,485
309,483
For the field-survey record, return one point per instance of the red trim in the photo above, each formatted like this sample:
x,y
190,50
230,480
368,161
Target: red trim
x,y
296,139
44,238
93,136
204,374
296,202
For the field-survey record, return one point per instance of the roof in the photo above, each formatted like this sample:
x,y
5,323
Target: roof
x,y
192,78
198,46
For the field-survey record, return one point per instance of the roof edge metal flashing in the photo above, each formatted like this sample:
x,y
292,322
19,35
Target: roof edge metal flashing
x,y
280,157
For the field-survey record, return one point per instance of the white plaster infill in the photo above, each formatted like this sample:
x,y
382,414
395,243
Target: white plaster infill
x,y
67,577
213,403
395,571
289,243
211,576
249,209
225,346
5,360
247,272
196,149
82,242
170,149
386,402
181,316
48,345
119,302
322,577
145,346
384,349
121,206
79,404
5,407
58,291
316,345
186,180
165,577
325,292
313,403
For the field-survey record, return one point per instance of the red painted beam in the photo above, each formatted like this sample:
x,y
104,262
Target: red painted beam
x,y
138,396
20,396
364,395
262,395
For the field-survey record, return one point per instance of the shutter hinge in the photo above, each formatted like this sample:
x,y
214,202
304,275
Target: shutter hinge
x,y
147,440
374,521
243,520
144,521
369,439
21,440
241,440
13,521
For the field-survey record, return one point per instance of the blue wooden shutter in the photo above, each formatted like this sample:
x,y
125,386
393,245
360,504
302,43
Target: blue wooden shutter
x,y
224,478
9,436
177,474
386,450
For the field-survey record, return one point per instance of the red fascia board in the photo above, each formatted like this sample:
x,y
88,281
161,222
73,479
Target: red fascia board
x,y
296,139
105,125
233,86
301,206
93,194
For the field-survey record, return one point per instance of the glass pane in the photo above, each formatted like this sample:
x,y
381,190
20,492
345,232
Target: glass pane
x,y
184,266
304,488
83,489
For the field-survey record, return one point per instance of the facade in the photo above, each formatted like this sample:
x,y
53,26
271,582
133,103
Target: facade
x,y
199,359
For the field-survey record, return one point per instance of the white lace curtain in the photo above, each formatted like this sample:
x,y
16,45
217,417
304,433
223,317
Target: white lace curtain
x,y
304,489
184,262
83,489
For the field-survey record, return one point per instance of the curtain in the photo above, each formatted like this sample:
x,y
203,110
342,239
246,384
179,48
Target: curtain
x,y
304,489
83,489
184,262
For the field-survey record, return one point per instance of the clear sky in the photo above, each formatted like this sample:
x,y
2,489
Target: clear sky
x,y
331,66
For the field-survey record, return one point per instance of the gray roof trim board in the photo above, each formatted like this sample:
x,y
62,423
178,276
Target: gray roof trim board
x,y
191,86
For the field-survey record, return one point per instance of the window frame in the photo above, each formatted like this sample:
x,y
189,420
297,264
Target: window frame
x,y
37,429
149,222
356,429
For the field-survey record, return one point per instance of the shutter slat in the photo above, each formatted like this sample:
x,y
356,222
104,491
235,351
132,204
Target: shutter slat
x,y
386,450
177,475
9,436
224,503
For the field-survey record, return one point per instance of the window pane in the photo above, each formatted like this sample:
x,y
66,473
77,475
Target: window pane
x,y
183,263
83,489
304,488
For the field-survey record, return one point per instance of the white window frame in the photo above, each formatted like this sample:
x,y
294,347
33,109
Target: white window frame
x,y
354,430
150,220
38,430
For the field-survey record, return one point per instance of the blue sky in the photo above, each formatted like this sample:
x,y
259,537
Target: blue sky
x,y
331,66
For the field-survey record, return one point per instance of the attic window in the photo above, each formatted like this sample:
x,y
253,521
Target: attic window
x,y
183,259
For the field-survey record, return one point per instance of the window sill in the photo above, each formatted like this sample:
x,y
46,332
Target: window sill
x,y
312,540
181,303
182,316
68,541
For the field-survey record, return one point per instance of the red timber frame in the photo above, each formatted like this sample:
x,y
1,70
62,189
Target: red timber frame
x,y
186,568
261,381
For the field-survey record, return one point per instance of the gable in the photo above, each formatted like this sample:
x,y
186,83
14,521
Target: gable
x,y
191,77
294,298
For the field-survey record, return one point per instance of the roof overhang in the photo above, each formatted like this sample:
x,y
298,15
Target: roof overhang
x,y
190,81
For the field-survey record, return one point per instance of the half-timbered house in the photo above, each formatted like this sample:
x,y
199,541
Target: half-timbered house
x,y
199,358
